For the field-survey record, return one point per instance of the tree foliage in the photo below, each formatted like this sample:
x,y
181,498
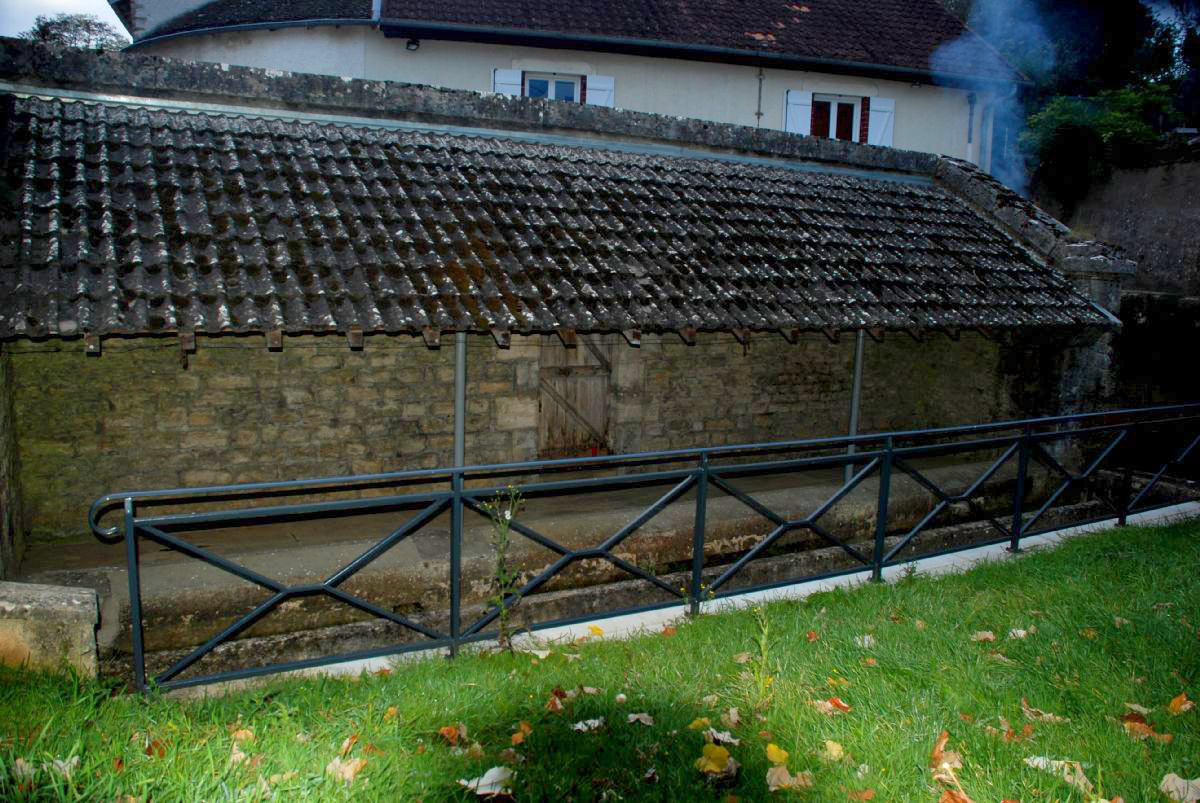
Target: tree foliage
x,y
75,30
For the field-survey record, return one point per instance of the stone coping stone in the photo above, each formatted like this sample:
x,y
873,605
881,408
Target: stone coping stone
x,y
37,601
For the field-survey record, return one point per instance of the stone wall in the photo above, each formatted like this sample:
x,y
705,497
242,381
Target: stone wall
x,y
1153,214
12,517
136,418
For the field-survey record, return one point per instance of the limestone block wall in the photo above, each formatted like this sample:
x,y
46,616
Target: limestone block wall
x,y
12,516
136,417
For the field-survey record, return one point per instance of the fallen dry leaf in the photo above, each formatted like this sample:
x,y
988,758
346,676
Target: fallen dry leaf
x,y
451,734
721,737
372,750
236,756
1180,789
571,656
645,719
156,749
869,662
282,777
1180,705
620,699
1069,771
742,658
983,635
860,794
776,755
63,768
1038,715
837,683
731,718
1139,731
1119,621
779,778
831,707
243,735
668,631
596,630
811,635
953,796
831,752
1018,633
1138,709
717,763
345,770
510,756
588,725
710,699
699,723
554,705
349,742
382,673
965,717
865,642
1089,633
941,758
495,782
390,714
996,655
650,776
919,624
766,736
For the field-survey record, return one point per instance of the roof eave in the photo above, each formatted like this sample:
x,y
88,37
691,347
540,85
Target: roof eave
x,y
559,40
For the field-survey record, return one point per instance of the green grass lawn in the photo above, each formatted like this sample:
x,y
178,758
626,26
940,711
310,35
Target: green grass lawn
x,y
1117,618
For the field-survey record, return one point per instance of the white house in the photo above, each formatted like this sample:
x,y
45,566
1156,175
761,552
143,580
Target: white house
x,y
903,74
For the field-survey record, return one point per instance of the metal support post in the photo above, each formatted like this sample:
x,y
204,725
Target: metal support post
x,y
1126,487
698,533
855,399
456,505
135,599
1018,523
881,514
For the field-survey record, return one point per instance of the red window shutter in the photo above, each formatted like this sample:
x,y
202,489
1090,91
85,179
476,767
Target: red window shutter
x,y
820,118
845,121
864,120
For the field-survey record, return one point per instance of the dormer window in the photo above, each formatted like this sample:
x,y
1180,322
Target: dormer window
x,y
837,117
553,86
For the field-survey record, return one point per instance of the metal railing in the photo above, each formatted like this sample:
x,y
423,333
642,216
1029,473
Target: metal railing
x,y
883,456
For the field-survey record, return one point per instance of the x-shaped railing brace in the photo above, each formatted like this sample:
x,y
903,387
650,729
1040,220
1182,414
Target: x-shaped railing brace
x,y
569,556
783,525
283,592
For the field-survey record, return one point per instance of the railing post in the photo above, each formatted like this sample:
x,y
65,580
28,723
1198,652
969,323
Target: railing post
x,y
1126,488
456,522
698,532
881,515
1014,542
135,598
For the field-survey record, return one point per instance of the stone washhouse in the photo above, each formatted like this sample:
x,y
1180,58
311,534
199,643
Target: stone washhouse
x,y
217,275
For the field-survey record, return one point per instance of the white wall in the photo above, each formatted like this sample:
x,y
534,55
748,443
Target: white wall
x,y
928,118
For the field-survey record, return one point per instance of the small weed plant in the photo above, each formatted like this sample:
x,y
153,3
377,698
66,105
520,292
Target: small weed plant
x,y
760,669
502,509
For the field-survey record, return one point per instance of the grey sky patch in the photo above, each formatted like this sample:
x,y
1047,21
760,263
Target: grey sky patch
x,y
17,16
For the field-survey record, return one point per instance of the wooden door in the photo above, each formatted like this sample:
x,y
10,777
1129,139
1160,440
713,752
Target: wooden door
x,y
574,405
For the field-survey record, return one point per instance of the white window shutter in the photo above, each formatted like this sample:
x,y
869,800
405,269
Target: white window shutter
x,y
797,117
600,90
506,82
881,122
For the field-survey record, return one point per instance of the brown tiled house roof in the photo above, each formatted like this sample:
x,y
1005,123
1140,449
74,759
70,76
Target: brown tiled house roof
x,y
903,35
127,219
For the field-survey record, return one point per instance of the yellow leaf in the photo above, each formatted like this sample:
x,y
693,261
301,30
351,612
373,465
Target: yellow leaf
x,y
776,754
700,723
715,760
390,714
518,738
596,631
1180,704
832,752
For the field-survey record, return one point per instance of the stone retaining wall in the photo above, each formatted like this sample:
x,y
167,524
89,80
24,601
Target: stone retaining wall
x,y
136,417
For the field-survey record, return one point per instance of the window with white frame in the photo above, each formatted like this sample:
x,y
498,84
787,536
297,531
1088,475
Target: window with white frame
x,y
594,90
837,117
552,86
869,120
